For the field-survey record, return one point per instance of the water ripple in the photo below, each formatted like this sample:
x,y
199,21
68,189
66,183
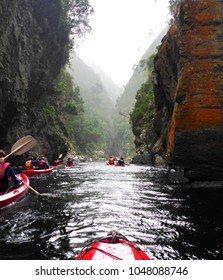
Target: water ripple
x,y
166,219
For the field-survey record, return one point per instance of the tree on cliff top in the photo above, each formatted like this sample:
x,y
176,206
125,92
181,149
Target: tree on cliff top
x,y
173,5
75,15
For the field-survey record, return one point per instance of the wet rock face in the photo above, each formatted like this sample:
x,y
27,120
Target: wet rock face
x,y
31,55
189,89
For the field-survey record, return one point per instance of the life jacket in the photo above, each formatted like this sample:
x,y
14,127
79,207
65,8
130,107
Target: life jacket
x,y
28,164
41,164
111,161
56,162
3,167
70,161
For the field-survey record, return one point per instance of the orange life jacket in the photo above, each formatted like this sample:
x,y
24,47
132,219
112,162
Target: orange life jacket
x,y
28,164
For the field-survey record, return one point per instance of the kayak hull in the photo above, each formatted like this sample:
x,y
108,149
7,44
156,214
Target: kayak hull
x,y
31,172
70,165
109,163
15,194
114,164
121,249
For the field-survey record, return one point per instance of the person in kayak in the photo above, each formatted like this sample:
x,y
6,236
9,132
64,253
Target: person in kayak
x,y
32,163
70,161
121,161
28,164
7,174
43,164
111,160
57,162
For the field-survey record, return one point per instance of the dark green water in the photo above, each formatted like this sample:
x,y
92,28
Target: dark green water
x,y
166,219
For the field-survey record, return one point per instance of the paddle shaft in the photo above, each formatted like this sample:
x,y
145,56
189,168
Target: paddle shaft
x,y
41,194
31,188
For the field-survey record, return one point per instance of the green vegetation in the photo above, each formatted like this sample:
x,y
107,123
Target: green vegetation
x,y
98,106
75,19
85,110
141,117
173,4
144,109
123,139
85,130
88,134
49,111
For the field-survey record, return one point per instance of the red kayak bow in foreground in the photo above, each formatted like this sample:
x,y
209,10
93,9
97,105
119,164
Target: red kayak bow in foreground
x,y
112,248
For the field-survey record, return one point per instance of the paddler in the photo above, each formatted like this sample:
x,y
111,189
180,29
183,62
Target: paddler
x,y
121,161
28,164
43,164
111,160
6,174
57,161
32,163
70,161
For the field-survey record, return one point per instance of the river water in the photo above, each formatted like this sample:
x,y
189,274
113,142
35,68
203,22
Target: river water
x,y
168,220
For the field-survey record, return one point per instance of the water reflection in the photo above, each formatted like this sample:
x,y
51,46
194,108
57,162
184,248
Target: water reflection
x,y
147,204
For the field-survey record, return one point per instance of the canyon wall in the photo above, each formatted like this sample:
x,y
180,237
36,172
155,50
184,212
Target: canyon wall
x,y
188,88
32,52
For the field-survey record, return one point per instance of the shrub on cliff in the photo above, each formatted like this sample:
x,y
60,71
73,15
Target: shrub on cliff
x,y
144,109
75,18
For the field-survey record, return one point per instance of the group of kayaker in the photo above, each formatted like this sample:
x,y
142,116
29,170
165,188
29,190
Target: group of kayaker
x,y
113,160
40,163
7,173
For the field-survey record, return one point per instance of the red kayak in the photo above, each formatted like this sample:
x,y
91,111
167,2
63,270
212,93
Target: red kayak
x,y
109,163
118,164
112,247
15,194
70,165
30,172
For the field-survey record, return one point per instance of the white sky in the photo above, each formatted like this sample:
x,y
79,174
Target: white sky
x,y
122,30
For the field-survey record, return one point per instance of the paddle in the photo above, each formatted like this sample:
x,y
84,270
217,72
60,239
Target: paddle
x,y
60,156
31,188
41,194
22,145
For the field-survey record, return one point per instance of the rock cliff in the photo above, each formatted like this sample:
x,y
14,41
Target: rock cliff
x,y
188,88
32,52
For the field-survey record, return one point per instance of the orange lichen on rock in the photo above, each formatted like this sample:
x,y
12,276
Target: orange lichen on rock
x,y
202,101
204,11
198,85
201,41
189,90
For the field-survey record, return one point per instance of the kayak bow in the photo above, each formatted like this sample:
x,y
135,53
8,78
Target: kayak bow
x,y
112,247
